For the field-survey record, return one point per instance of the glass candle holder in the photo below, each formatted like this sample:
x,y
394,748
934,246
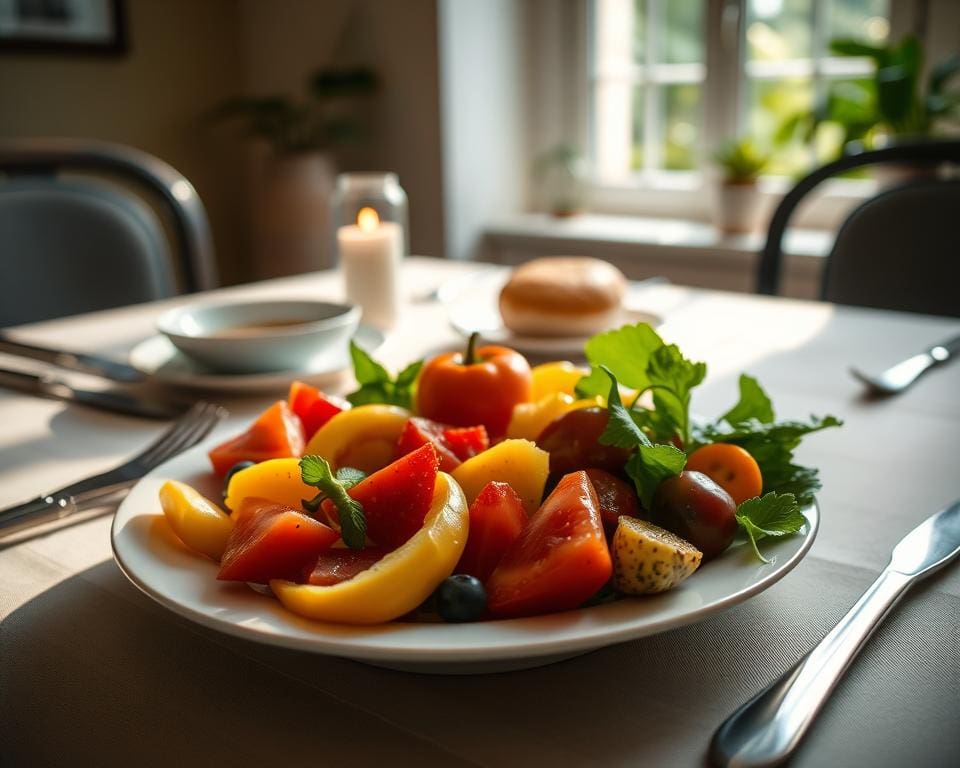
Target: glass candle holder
x,y
370,216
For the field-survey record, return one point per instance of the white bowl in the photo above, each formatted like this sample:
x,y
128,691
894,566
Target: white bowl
x,y
260,336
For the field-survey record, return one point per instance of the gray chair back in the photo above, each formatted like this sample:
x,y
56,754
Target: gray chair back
x,y
896,251
900,250
71,244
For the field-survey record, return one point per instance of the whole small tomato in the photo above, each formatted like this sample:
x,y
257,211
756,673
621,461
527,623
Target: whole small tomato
x,y
480,386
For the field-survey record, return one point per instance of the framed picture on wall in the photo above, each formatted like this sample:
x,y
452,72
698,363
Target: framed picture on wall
x,y
63,26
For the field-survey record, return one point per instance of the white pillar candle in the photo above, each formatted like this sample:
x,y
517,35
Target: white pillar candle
x,y
370,253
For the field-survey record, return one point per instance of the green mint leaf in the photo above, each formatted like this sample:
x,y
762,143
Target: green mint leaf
x,y
349,477
753,403
622,429
626,352
365,368
408,375
315,471
376,385
672,378
650,466
772,514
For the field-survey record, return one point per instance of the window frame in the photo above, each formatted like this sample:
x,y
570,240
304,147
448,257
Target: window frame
x,y
561,62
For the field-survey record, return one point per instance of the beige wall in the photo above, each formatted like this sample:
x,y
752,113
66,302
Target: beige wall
x,y
187,55
184,58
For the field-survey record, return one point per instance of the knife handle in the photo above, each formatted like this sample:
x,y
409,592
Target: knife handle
x,y
44,509
767,729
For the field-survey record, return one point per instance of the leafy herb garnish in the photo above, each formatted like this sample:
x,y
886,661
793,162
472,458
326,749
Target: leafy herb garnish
x,y
315,471
774,514
376,384
751,425
650,464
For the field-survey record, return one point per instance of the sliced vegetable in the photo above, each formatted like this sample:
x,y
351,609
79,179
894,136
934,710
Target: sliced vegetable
x,y
418,432
480,386
518,463
337,565
197,521
313,407
529,420
364,437
401,580
276,479
397,498
277,433
272,541
496,519
616,498
554,378
730,467
559,560
648,559
466,442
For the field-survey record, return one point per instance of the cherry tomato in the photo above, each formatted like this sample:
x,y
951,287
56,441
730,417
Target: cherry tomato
x,y
479,387
573,442
695,508
730,467
616,498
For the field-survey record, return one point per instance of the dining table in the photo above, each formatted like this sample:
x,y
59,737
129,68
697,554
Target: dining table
x,y
95,673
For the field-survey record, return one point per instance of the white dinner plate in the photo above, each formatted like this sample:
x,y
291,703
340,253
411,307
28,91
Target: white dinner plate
x,y
153,559
472,303
167,365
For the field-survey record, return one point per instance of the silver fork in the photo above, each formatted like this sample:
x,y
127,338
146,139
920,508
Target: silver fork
x,y
106,487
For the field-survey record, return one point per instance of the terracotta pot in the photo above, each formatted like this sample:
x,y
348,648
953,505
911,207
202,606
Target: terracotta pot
x,y
738,207
292,214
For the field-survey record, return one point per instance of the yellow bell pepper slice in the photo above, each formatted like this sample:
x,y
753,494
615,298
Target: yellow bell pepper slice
x,y
530,419
399,582
197,521
364,437
275,479
519,463
550,378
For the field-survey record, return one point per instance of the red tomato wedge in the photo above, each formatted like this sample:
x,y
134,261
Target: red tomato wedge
x,y
276,434
560,558
336,565
396,499
313,407
496,520
466,442
272,541
418,432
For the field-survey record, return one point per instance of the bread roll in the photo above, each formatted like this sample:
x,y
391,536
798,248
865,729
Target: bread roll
x,y
562,296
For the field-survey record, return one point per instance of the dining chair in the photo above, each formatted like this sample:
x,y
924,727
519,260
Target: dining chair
x,y
88,225
898,250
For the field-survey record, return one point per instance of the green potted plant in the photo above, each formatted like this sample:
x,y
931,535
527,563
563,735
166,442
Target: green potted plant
x,y
560,174
295,181
738,204
896,102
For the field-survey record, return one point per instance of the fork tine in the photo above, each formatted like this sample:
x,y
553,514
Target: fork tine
x,y
192,434
171,433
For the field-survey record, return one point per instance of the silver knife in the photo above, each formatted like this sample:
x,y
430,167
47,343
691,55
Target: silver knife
x,y
118,402
767,729
896,379
81,362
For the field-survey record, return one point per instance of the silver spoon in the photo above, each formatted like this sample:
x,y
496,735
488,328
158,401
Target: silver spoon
x,y
767,729
895,380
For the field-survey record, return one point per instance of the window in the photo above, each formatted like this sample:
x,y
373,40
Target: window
x,y
649,79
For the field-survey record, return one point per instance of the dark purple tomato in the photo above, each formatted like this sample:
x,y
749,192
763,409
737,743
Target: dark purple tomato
x,y
695,508
573,442
616,498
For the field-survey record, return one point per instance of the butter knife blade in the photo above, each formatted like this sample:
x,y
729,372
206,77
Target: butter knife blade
x,y
82,362
116,402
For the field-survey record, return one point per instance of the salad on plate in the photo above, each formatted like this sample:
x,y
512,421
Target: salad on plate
x,y
472,487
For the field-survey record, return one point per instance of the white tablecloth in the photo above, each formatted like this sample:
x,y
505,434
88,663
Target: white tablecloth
x,y
94,673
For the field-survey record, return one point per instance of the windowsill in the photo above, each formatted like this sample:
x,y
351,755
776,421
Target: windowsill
x,y
683,250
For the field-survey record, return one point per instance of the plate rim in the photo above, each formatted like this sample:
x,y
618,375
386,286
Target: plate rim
x,y
540,645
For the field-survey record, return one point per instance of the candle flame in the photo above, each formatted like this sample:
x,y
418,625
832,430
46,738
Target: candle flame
x,y
368,220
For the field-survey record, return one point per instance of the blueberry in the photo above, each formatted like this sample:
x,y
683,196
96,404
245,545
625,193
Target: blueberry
x,y
461,598
232,471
